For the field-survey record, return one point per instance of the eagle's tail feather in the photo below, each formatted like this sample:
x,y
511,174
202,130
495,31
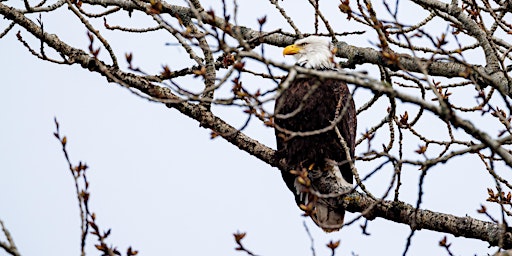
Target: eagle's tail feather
x,y
326,218
328,180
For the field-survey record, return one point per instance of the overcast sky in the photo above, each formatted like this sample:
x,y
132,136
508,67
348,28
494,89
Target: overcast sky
x,y
157,179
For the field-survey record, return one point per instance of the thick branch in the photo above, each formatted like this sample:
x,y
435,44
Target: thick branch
x,y
424,219
356,55
479,33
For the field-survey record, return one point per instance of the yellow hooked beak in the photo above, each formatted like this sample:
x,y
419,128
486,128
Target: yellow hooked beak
x,y
291,49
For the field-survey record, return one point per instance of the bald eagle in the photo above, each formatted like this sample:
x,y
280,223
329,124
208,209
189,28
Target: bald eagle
x,y
310,104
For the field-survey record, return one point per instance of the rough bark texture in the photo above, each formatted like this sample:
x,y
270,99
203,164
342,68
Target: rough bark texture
x,y
425,219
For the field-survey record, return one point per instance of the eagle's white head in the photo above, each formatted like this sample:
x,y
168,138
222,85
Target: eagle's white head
x,y
311,52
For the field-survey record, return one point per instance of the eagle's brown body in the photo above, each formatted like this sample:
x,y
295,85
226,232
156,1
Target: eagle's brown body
x,y
318,110
310,105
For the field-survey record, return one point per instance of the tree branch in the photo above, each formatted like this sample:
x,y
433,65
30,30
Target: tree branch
x,y
9,247
356,55
401,212
356,202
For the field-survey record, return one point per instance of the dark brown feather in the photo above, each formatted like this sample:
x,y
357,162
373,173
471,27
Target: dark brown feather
x,y
313,112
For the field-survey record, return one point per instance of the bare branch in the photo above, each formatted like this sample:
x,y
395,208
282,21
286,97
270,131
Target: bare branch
x,y
9,247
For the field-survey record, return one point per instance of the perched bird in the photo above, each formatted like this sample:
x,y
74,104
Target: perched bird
x,y
322,111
